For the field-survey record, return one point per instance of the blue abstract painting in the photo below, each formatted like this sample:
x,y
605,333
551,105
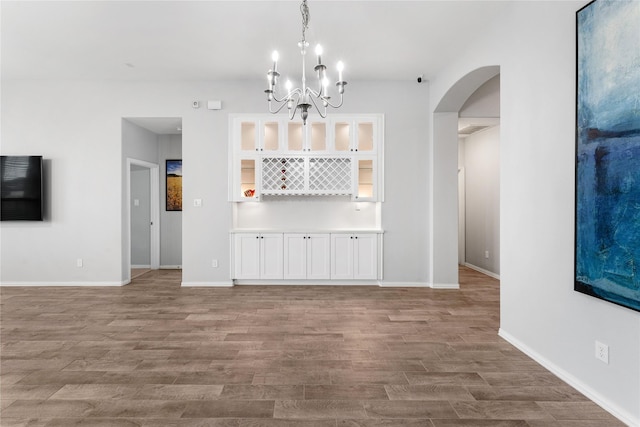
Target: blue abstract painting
x,y
607,252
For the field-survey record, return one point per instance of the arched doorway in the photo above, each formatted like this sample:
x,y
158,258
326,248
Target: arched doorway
x,y
444,183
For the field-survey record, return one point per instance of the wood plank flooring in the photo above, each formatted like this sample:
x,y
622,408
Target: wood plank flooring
x,y
155,354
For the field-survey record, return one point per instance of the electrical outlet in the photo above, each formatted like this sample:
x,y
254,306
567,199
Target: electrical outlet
x,y
602,352
79,262
486,254
214,263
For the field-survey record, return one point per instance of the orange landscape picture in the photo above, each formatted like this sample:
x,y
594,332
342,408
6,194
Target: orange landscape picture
x,y
174,185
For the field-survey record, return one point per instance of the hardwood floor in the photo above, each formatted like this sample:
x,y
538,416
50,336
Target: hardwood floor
x,y
155,354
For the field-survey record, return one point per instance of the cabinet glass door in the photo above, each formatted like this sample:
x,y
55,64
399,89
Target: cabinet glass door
x,y
270,142
365,136
318,137
295,136
248,189
248,137
342,136
365,179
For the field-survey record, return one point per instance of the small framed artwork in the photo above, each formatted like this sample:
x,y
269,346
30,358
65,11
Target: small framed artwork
x,y
607,248
174,185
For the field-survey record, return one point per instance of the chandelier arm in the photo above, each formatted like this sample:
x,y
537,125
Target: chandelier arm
x,y
313,92
296,91
281,105
292,112
313,101
332,105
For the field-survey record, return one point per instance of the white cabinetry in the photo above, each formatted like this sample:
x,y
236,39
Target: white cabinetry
x,y
310,138
356,135
354,256
258,255
257,136
307,256
341,155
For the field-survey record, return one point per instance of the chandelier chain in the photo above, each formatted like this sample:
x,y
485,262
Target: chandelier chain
x,y
304,9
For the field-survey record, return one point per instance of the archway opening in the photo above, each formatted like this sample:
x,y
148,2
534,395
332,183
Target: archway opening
x,y
445,165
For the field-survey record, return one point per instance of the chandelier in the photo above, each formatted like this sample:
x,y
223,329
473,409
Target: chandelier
x,y
304,98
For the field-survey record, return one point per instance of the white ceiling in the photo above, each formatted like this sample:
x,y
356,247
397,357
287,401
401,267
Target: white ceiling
x,y
206,40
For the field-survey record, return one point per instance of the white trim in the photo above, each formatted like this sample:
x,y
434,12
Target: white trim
x,y
574,382
170,267
445,286
141,266
228,284
65,284
328,282
385,284
482,270
154,189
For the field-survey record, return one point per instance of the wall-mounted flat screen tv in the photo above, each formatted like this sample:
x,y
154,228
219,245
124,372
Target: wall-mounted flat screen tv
x,y
21,182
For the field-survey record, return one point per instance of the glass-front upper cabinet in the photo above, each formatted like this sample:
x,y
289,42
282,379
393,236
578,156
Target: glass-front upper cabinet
x,y
312,137
355,135
365,176
342,135
258,135
248,180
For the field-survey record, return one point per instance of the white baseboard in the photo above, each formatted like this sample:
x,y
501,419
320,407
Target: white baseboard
x,y
385,284
141,266
574,382
227,284
170,267
419,285
66,284
482,270
311,282
445,286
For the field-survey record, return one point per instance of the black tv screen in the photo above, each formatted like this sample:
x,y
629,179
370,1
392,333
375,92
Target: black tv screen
x,y
21,182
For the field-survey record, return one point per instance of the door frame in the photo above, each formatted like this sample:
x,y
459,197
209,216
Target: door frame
x,y
154,197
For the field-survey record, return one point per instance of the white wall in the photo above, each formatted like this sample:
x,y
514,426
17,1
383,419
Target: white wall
x,y
169,147
482,199
540,312
88,173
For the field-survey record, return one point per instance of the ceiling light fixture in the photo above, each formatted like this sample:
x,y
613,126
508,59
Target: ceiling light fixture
x,y
304,98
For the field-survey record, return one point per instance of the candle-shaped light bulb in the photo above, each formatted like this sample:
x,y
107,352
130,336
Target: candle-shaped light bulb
x,y
319,53
340,68
274,58
288,85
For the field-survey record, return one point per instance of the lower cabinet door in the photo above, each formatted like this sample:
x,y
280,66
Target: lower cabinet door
x,y
271,256
318,256
295,261
341,256
365,256
247,256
